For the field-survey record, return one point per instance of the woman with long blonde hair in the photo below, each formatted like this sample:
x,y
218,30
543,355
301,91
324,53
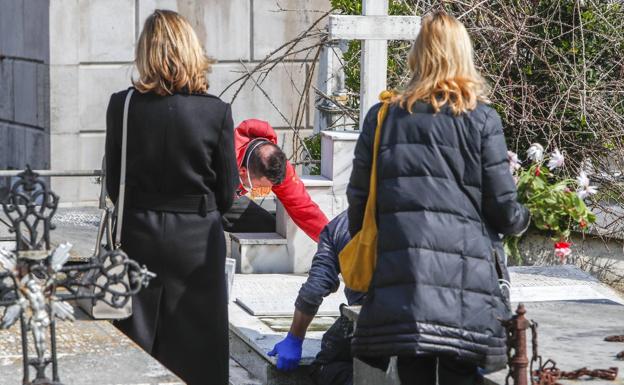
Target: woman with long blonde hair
x,y
181,174
444,193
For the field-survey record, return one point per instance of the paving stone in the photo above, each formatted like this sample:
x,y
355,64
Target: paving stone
x,y
107,30
25,92
6,89
96,84
213,20
277,22
90,352
64,28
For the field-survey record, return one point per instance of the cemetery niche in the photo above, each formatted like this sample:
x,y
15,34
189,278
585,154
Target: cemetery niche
x,y
37,283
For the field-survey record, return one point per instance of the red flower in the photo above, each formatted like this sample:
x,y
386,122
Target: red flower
x,y
538,171
562,245
562,250
583,224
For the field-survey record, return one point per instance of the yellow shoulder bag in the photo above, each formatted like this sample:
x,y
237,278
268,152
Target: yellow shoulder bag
x,y
359,257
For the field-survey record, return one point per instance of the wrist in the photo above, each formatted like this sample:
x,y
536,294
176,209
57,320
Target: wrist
x,y
295,338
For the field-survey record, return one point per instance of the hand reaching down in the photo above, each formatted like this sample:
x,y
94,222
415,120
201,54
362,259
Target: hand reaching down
x,y
288,352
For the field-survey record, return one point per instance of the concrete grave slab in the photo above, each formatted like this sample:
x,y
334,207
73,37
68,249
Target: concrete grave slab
x,y
570,331
557,283
250,341
572,334
76,225
90,352
274,295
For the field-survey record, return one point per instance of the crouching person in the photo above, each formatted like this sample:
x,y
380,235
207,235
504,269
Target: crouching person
x,y
333,364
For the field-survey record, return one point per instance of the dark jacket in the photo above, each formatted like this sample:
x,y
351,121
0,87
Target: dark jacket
x,y
444,192
323,276
180,147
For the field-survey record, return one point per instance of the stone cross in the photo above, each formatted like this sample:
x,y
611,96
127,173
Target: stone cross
x,y
374,27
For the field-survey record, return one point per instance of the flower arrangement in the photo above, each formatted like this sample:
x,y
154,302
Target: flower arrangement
x,y
556,203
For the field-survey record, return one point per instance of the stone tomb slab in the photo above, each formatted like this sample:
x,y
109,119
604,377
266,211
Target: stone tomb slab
x,y
572,334
557,283
89,352
273,295
271,298
574,311
76,225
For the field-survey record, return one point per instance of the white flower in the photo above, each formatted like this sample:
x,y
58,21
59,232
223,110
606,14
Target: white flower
x,y
556,160
514,162
584,189
536,152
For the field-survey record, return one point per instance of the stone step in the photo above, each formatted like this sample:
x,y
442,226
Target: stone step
x,y
261,253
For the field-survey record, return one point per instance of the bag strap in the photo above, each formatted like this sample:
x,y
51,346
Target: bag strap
x,y
122,174
385,97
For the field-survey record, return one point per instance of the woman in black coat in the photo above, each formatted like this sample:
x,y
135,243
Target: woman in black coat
x,y
181,174
444,194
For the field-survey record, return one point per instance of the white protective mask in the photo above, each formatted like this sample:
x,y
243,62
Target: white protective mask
x,y
260,141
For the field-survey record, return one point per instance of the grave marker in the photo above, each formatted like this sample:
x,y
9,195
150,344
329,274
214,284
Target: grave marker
x,y
374,28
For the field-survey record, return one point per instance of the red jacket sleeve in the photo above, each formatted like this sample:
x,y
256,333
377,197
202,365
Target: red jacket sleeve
x,y
304,212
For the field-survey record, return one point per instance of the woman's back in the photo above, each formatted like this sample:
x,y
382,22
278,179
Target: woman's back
x,y
176,145
181,174
443,189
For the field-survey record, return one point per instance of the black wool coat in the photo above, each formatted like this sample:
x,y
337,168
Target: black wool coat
x,y
178,146
444,194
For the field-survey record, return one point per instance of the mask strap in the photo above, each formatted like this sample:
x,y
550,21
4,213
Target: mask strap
x,y
260,141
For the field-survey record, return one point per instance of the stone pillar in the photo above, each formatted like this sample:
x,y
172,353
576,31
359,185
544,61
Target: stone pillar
x,y
24,97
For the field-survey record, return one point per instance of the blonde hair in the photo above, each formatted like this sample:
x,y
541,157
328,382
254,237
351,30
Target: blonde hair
x,y
169,56
443,70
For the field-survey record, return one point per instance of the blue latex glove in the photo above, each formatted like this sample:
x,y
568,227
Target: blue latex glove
x,y
288,353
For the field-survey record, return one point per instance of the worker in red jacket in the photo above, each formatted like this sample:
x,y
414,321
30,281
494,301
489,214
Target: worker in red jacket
x,y
262,164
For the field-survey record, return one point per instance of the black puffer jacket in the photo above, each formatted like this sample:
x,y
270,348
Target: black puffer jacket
x,y
444,193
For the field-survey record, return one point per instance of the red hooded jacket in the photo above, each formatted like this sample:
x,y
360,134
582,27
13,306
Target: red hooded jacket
x,y
291,192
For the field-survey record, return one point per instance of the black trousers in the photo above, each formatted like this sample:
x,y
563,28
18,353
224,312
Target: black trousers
x,y
246,216
334,364
426,370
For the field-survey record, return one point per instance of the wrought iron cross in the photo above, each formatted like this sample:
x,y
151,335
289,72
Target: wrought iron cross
x,y
36,283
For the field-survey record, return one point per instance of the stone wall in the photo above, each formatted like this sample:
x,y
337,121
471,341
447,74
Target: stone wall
x,y
90,54
24,80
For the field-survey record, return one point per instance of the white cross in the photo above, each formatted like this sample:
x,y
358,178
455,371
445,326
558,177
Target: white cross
x,y
374,28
